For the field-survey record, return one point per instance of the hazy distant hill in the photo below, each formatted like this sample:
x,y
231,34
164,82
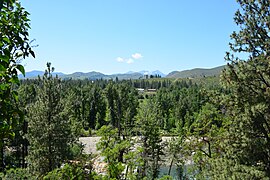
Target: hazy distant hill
x,y
34,74
80,75
89,75
97,75
197,72
133,75
193,73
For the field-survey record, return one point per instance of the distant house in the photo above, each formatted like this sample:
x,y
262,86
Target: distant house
x,y
140,90
151,90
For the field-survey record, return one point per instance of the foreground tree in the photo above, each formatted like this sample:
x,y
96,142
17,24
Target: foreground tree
x,y
50,134
204,139
14,45
111,146
248,133
150,139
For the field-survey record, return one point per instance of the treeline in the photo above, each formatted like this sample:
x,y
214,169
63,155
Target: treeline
x,y
57,112
97,103
155,83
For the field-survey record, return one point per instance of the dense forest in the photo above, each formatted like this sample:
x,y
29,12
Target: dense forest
x,y
218,127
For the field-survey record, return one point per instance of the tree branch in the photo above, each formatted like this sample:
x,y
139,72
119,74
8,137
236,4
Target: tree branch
x,y
1,4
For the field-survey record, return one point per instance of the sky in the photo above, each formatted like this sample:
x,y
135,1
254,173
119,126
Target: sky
x,y
117,36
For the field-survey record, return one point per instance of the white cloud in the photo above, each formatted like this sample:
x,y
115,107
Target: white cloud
x,y
130,61
119,59
136,56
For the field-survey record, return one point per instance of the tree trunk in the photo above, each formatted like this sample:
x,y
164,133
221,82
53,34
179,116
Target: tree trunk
x,y
120,157
2,164
170,168
24,145
126,173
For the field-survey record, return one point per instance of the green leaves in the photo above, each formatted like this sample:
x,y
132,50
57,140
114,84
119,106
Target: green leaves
x,y
32,53
6,40
14,43
2,69
4,58
111,145
21,69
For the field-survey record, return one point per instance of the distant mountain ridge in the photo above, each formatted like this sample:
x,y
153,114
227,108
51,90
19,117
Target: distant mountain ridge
x,y
93,75
35,73
196,73
81,75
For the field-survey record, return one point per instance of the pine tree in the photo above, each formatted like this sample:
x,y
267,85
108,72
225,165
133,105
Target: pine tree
x,y
49,127
111,145
150,139
122,104
248,79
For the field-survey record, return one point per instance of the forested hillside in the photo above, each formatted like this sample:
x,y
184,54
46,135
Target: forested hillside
x,y
94,75
219,126
196,73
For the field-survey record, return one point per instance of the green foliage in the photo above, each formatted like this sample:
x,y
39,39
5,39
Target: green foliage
x,y
196,73
221,168
169,110
14,45
150,139
173,109
175,153
206,129
89,106
133,161
111,146
50,134
204,138
16,174
122,104
226,131
71,172
66,172
247,143
166,178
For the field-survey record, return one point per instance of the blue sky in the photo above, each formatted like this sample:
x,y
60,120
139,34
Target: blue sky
x,y
116,36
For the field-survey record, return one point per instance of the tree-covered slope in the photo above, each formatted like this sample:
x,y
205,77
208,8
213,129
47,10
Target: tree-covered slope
x,y
197,72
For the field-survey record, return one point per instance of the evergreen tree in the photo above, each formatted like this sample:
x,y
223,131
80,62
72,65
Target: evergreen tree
x,y
204,137
90,106
97,108
122,104
248,140
49,127
111,95
150,139
111,146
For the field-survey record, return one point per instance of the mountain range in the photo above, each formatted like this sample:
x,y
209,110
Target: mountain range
x,y
193,73
94,75
196,73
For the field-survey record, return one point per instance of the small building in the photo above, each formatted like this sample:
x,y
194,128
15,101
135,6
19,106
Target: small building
x,y
151,90
140,90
